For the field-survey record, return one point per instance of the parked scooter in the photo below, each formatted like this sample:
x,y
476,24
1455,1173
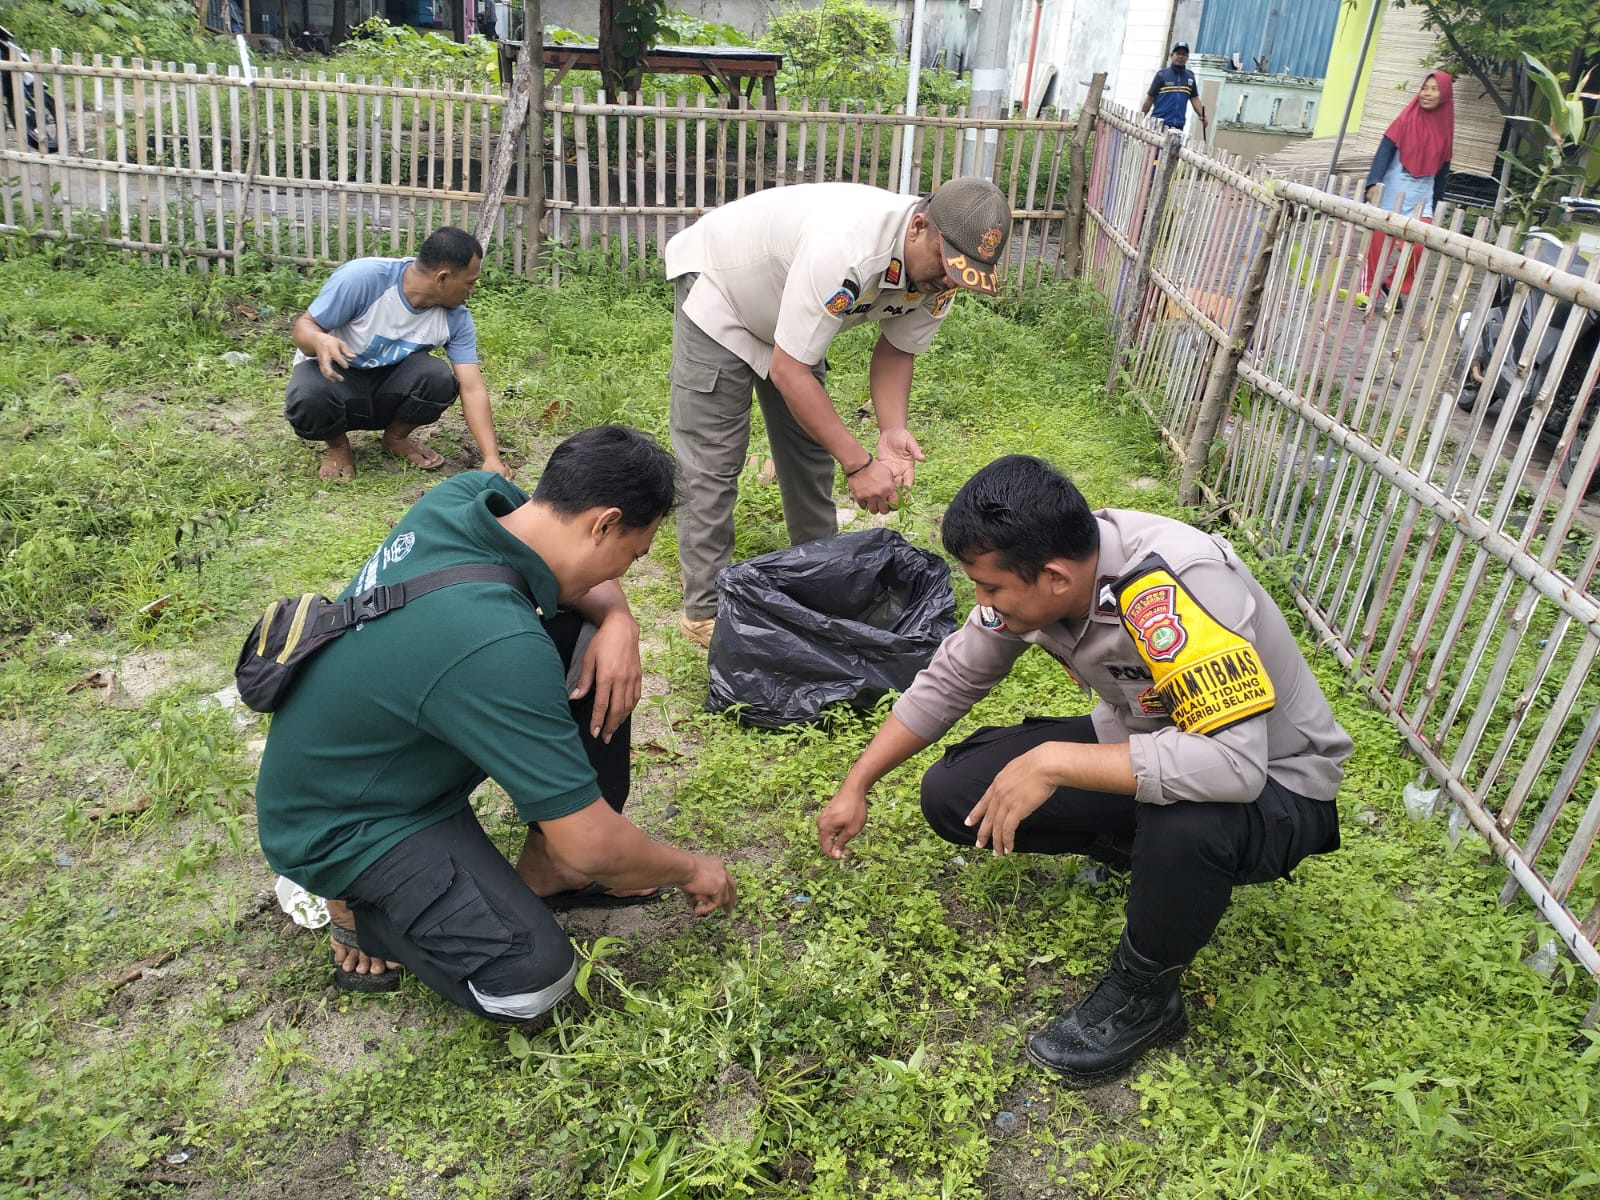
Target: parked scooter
x,y
41,113
1569,393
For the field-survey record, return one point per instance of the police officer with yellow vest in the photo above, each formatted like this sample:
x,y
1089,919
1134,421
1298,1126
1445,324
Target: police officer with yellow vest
x,y
1210,760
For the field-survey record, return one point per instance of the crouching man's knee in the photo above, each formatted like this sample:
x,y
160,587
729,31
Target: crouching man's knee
x,y
523,989
946,800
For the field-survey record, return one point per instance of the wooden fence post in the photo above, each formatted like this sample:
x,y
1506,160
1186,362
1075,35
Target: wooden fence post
x,y
533,18
1078,177
1154,211
252,164
523,83
1225,361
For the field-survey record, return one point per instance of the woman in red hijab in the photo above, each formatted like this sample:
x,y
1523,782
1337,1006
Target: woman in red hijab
x,y
1409,173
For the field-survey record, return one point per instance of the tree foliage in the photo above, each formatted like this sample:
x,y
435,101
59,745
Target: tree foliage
x,y
1564,150
830,45
628,29
151,29
1487,39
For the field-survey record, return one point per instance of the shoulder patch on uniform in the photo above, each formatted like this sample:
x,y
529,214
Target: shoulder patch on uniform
x,y
989,619
1152,616
941,302
1207,677
839,303
891,274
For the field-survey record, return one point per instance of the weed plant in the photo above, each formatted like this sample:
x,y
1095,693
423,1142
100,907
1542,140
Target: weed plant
x,y
1368,1030
151,29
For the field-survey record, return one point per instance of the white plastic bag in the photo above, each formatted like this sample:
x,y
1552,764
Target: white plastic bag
x,y
1420,805
308,911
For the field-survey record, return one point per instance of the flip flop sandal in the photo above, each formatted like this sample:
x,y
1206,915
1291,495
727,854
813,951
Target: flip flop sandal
x,y
597,895
355,981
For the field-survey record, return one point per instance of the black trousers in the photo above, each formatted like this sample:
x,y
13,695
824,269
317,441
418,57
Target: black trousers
x,y
612,762
415,391
448,904
1187,857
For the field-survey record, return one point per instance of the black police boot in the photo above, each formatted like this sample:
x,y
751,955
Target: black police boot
x,y
1134,1008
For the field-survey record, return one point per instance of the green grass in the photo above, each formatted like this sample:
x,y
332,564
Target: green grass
x,y
852,1030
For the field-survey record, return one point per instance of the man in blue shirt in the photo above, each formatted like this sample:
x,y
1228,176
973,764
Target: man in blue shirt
x,y
1172,90
362,356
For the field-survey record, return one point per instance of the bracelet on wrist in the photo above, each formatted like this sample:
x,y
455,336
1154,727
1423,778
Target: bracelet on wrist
x,y
861,468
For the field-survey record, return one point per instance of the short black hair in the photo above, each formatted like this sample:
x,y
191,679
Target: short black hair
x,y
450,248
610,466
1024,510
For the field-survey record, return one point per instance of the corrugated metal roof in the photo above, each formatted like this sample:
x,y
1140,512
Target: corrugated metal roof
x,y
1293,36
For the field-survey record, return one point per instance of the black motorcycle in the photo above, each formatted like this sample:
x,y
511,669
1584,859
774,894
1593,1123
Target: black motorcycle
x,y
41,114
1570,393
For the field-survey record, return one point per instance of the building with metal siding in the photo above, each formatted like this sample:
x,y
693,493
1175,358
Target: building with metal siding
x,y
1127,39
1290,37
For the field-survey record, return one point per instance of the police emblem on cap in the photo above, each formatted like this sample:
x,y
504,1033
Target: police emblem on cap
x,y
841,300
959,269
989,242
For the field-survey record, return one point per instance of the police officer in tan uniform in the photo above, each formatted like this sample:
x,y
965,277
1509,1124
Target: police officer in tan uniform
x,y
764,285
1211,759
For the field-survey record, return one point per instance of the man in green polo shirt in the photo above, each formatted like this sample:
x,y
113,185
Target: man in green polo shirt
x,y
364,789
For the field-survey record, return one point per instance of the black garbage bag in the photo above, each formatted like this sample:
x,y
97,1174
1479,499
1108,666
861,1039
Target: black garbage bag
x,y
847,618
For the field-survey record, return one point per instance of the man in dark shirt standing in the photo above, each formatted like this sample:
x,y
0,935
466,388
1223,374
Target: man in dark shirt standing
x,y
1173,89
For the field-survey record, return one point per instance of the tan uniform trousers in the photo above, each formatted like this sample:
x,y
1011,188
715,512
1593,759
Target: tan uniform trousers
x,y
710,424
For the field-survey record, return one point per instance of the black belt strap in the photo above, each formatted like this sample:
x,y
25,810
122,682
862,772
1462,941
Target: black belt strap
x,y
386,597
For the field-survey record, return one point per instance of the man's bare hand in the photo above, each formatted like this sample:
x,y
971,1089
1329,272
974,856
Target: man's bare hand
x,y
840,820
612,668
899,451
1014,795
331,350
710,887
873,487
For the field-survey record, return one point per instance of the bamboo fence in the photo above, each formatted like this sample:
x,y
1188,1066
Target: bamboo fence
x,y
1431,544
630,176
200,167
1426,534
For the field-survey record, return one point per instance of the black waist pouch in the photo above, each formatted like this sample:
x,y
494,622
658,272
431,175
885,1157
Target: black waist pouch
x,y
296,627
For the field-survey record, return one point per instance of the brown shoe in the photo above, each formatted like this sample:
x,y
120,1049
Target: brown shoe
x,y
699,632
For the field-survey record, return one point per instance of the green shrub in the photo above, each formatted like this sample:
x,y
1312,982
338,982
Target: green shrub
x,y
164,30
377,48
680,29
845,52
